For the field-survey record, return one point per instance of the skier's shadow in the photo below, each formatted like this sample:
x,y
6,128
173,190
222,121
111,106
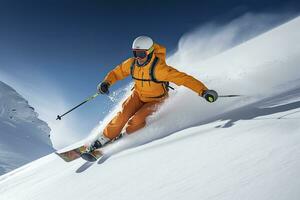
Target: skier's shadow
x,y
260,110
87,164
252,111
84,167
103,158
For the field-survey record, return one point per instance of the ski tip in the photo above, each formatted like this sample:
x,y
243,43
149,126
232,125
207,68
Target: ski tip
x,y
58,117
64,157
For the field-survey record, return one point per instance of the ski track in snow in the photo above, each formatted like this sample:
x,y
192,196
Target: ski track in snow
x,y
237,148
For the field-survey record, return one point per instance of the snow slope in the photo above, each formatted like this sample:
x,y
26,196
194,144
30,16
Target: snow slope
x,y
24,137
238,148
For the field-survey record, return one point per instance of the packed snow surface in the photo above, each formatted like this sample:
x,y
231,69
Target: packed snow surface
x,y
23,137
235,148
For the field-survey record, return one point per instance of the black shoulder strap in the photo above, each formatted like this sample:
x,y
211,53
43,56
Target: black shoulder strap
x,y
132,67
152,75
152,70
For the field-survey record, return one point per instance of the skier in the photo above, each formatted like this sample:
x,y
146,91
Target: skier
x,y
151,77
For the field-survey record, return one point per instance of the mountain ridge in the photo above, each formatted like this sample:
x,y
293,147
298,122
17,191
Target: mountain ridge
x,y
20,130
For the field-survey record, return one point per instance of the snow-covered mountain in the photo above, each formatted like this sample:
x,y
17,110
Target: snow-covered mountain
x,y
23,137
235,148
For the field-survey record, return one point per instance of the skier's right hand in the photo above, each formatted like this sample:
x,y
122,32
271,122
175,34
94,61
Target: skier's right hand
x,y
103,87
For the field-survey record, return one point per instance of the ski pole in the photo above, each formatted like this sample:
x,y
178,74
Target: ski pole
x,y
88,99
230,95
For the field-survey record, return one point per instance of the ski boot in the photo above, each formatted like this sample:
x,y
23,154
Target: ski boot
x,y
92,154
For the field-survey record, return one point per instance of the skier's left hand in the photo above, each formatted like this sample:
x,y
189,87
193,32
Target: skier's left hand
x,y
210,95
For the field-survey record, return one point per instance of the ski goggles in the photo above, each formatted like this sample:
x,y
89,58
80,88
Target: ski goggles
x,y
142,53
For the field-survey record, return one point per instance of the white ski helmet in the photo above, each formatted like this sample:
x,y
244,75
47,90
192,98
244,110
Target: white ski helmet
x,y
142,43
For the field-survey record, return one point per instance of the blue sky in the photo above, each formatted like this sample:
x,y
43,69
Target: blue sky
x,y
55,52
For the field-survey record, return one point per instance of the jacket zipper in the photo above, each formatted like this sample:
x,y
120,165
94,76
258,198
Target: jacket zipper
x,y
143,78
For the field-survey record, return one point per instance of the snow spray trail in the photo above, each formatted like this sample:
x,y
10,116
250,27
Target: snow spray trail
x,y
240,70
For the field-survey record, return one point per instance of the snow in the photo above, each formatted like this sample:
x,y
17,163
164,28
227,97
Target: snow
x,y
235,148
24,137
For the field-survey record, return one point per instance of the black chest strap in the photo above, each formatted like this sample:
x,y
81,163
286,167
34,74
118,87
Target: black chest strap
x,y
151,74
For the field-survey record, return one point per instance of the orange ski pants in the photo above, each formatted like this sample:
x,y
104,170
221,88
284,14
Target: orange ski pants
x,y
133,114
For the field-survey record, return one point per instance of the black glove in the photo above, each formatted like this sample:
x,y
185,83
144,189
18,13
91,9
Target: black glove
x,y
210,95
103,87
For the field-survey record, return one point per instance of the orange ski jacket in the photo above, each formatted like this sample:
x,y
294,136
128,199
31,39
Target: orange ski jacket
x,y
147,89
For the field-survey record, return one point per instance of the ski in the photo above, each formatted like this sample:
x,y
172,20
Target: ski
x,y
81,151
92,156
72,154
